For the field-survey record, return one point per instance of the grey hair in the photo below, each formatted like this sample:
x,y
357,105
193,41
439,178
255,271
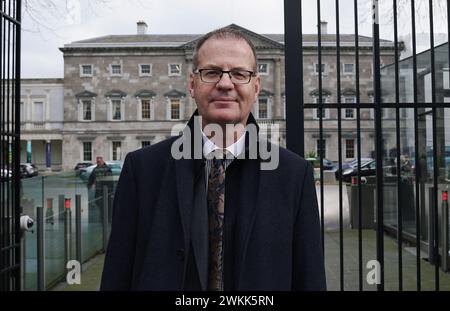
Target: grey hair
x,y
223,33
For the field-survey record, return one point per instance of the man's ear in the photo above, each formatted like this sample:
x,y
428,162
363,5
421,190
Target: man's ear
x,y
257,85
191,85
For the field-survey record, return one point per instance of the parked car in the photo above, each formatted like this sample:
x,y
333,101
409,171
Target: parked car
x,y
80,166
367,169
28,170
116,168
350,165
328,165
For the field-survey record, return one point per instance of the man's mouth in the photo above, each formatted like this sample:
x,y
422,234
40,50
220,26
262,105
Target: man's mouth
x,y
223,101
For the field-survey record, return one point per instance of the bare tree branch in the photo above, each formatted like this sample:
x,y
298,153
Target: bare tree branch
x,y
404,8
49,15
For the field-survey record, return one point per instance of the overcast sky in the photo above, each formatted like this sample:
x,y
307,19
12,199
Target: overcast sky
x,y
83,19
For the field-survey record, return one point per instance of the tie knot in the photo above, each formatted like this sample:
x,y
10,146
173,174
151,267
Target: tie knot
x,y
220,154
218,163
217,154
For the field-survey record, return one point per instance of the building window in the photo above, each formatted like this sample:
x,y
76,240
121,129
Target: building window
x,y
174,69
116,70
86,70
324,112
145,143
116,150
116,109
321,113
263,108
263,69
87,110
145,70
174,109
38,115
349,112
321,148
349,69
316,69
349,148
146,109
87,151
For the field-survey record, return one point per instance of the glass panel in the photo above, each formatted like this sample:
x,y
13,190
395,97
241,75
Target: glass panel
x,y
146,113
87,112
116,69
175,109
39,191
116,109
262,108
87,151
87,69
145,69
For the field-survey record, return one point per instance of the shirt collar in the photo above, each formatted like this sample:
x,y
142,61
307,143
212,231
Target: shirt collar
x,y
235,149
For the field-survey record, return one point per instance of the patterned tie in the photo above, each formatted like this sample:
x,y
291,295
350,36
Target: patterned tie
x,y
216,199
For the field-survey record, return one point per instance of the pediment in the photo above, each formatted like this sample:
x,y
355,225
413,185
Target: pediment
x,y
259,41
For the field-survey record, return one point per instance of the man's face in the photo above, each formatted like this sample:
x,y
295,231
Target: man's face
x,y
100,161
224,102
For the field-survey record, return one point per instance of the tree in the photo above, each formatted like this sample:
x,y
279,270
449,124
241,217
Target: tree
x,y
51,14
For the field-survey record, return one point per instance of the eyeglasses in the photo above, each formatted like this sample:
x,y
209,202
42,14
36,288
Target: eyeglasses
x,y
237,76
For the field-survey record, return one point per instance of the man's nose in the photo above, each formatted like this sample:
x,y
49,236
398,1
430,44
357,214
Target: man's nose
x,y
225,81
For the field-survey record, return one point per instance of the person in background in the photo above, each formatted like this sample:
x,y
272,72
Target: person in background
x,y
96,181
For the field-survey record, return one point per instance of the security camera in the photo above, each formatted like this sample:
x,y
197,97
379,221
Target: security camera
x,y
26,223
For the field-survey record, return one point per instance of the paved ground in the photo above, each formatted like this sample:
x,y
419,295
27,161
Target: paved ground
x,y
90,276
90,279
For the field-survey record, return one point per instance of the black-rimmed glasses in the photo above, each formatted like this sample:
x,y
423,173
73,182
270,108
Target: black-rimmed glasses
x,y
237,76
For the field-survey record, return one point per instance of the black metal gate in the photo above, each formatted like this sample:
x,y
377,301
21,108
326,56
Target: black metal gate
x,y
10,22
396,128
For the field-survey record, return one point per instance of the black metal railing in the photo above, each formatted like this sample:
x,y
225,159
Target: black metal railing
x,y
408,127
10,23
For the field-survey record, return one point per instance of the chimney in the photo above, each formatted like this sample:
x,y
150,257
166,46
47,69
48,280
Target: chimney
x,y
323,27
142,28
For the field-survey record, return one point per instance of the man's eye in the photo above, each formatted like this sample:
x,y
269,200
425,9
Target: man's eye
x,y
239,75
212,73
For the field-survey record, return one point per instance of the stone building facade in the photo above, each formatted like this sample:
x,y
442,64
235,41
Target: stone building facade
x,y
123,92
41,109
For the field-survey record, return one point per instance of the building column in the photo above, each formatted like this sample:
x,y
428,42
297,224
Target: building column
x,y
48,155
29,151
277,102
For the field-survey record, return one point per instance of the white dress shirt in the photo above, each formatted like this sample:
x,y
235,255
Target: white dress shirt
x,y
234,149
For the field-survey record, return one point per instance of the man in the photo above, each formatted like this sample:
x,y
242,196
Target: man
x,y
97,180
209,223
